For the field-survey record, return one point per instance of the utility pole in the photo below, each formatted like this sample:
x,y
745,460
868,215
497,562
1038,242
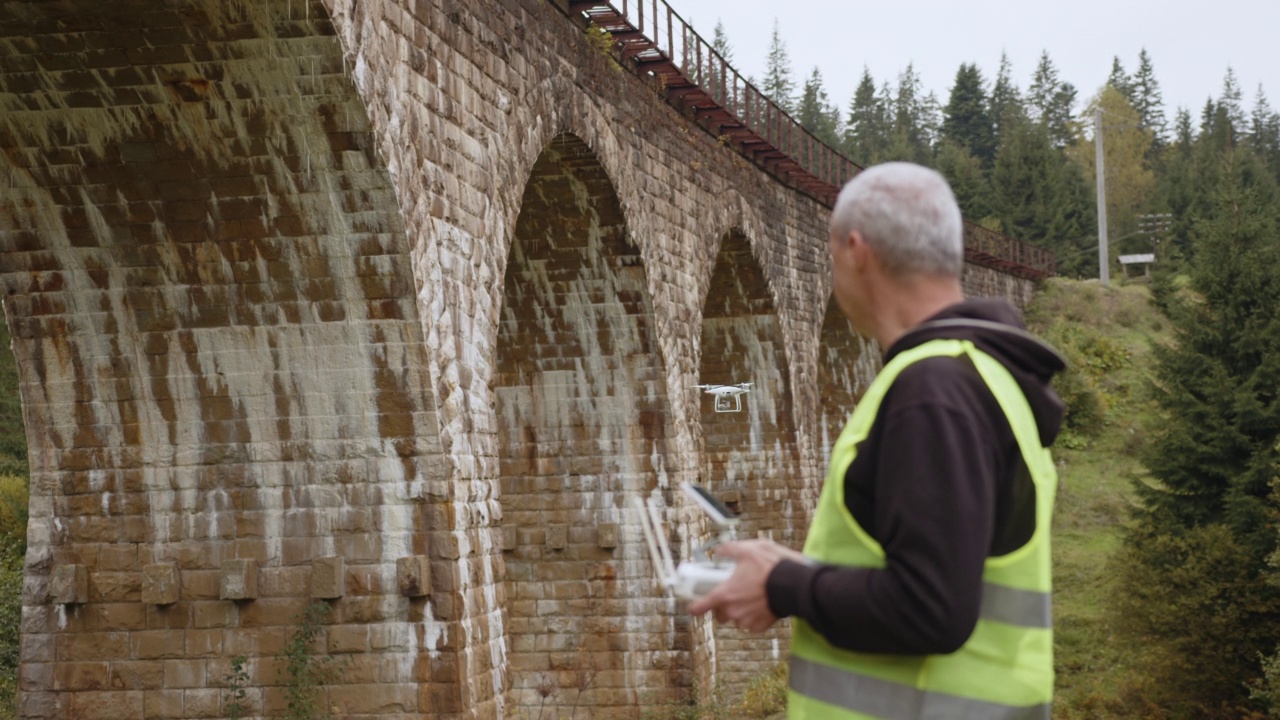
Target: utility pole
x,y
1104,268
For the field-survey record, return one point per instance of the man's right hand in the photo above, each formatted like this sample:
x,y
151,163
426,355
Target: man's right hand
x,y
742,599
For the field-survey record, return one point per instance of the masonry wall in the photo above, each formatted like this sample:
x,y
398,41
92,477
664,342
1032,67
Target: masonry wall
x,y
980,281
207,279
277,278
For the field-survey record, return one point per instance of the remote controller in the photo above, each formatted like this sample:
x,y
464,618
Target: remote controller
x,y
695,579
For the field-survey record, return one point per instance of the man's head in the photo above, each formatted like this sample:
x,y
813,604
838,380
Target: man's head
x,y
908,216
896,238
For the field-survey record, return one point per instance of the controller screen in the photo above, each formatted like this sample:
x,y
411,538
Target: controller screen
x,y
710,503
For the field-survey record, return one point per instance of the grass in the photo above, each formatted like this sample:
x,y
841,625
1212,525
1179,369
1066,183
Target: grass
x,y
1097,467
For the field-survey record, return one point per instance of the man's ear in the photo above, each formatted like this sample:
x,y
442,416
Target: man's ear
x,y
856,244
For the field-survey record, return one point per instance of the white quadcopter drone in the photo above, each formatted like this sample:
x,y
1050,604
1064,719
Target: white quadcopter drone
x,y
728,397
695,578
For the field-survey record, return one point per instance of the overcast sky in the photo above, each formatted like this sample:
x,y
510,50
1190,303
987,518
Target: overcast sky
x,y
1191,44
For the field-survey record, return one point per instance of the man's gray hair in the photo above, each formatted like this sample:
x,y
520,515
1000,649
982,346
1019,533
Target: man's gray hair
x,y
908,216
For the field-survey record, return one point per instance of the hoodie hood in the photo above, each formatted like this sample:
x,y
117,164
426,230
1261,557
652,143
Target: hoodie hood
x,y
996,328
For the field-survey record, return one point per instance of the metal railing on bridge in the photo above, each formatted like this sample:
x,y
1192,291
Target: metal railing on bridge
x,y
657,42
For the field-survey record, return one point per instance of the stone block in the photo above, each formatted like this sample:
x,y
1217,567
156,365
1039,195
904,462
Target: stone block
x,y
239,580
107,705
69,584
607,535
557,537
184,674
157,644
160,584
413,576
202,703
508,538
328,578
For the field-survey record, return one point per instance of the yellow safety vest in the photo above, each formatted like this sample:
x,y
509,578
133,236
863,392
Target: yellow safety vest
x,y
1004,671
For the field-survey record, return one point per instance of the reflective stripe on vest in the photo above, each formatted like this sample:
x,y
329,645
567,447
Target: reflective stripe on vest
x,y
1004,671
1014,606
883,699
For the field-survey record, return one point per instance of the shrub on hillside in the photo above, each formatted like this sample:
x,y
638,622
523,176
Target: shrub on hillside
x,y
1073,317
10,619
765,696
1201,615
1087,385
13,514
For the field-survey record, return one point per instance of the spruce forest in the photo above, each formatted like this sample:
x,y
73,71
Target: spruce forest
x,y
1167,585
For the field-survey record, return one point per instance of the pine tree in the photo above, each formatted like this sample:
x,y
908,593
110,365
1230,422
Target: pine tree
x,y
815,113
1044,84
1042,199
778,83
1176,189
1147,100
1052,102
720,42
866,131
715,76
916,119
1220,386
1214,456
1232,103
968,181
1264,133
1120,80
1006,102
966,121
1060,120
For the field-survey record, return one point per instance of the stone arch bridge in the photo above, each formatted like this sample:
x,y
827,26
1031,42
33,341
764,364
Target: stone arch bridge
x,y
390,306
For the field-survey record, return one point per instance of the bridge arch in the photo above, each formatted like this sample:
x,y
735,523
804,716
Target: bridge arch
x,y
553,107
750,456
582,422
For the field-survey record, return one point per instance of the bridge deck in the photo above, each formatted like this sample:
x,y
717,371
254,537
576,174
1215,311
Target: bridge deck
x,y
650,38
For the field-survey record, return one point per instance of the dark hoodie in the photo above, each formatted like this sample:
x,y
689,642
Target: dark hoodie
x,y
940,483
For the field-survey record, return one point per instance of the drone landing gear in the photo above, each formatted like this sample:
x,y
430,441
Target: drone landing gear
x,y
728,403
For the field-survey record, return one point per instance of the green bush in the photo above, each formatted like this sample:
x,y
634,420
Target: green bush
x,y
13,543
13,513
765,696
1086,410
1201,616
305,667
10,619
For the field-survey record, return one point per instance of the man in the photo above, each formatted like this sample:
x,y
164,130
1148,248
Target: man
x,y
923,590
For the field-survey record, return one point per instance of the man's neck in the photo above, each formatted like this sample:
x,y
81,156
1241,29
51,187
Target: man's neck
x,y
909,302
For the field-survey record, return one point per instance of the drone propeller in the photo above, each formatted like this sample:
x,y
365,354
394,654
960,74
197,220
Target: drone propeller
x,y
714,386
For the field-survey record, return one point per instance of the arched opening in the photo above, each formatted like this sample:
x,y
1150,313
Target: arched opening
x,y
750,458
847,363
582,427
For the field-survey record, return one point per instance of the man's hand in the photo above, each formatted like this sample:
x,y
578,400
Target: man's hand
x,y
742,599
